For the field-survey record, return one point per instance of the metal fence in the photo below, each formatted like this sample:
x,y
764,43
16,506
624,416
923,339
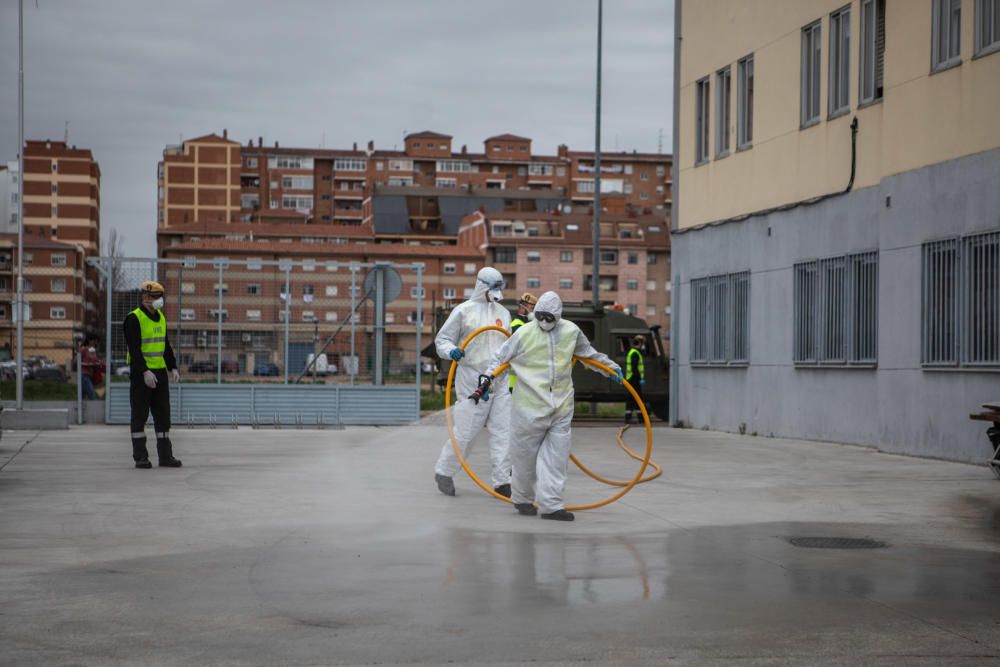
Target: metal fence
x,y
313,333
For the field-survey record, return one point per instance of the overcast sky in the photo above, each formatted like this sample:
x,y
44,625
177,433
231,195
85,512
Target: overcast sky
x,y
131,76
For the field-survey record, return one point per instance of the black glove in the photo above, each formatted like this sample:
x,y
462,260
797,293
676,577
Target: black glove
x,y
483,390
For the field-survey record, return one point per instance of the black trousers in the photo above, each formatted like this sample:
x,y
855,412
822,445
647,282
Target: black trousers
x,y
630,403
143,401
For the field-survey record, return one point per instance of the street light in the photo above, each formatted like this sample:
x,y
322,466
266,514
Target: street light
x,y
19,381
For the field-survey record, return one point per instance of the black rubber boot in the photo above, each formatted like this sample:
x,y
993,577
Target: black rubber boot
x,y
503,490
144,464
526,509
139,452
559,515
165,452
446,485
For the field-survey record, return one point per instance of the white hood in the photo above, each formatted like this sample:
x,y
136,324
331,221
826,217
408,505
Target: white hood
x,y
550,303
487,276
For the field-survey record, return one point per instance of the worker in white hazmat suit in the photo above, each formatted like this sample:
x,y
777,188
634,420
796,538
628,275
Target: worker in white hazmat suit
x,y
541,356
482,309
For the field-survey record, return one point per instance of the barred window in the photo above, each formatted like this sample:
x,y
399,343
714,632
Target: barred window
x,y
836,310
961,301
720,319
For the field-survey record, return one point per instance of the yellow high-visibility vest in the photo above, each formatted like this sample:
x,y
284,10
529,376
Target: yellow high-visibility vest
x,y
153,337
640,368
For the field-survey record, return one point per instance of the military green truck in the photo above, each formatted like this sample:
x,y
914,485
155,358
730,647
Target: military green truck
x,y
611,331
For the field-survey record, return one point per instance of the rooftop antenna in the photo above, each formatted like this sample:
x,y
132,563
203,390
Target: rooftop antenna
x,y
659,142
595,276
66,134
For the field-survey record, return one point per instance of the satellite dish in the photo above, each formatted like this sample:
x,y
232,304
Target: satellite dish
x,y
391,281
567,208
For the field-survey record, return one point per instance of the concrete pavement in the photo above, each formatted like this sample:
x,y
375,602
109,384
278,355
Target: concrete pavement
x,y
334,547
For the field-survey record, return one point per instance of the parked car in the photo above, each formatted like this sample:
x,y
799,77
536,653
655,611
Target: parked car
x,y
323,365
230,367
49,374
202,367
267,369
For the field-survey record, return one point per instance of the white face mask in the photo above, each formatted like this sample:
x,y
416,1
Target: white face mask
x,y
158,303
547,326
494,295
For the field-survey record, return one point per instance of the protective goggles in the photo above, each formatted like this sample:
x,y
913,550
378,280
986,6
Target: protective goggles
x,y
495,285
545,317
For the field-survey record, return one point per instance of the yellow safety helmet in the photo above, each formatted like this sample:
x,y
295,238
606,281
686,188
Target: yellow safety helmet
x,y
152,287
529,299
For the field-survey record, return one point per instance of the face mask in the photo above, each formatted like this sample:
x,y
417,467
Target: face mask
x,y
495,295
158,303
531,316
547,326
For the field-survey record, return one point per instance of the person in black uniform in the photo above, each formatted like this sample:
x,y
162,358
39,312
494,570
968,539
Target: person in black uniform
x,y
150,360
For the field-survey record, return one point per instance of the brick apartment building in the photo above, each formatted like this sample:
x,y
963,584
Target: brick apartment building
x,y
217,198
539,251
62,186
54,279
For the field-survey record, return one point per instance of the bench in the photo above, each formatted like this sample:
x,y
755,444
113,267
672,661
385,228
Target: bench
x,y
991,413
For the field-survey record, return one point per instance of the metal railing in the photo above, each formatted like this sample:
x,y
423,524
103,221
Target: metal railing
x,y
720,319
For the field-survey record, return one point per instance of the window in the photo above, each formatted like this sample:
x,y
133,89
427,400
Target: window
x,y
811,56
330,290
28,285
450,267
29,258
216,287
58,259
390,318
835,310
534,283
650,285
470,268
55,189
700,122
253,315
415,292
58,285
254,290
331,316
297,182
252,162
946,43
644,195
720,319
565,283
400,181
609,257
415,318
584,186
565,256
350,164
379,166
650,311
449,292
400,165
308,315
744,102
534,256
539,169
987,26
453,166
572,227
961,301
57,313
632,284
445,183
298,203
290,162
633,258
872,55
308,290
723,78
187,314
560,171
840,62
502,256
651,257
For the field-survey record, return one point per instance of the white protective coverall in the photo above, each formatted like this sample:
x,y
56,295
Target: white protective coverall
x,y
543,403
481,310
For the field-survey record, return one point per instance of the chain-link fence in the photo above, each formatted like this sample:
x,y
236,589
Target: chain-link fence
x,y
255,321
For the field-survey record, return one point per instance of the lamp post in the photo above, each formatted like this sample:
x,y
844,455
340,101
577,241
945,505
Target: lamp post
x,y
595,279
19,380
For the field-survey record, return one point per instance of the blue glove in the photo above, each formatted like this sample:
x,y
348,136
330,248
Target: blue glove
x,y
456,354
641,382
486,394
617,377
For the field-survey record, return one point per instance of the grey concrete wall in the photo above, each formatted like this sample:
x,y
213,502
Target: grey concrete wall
x,y
898,406
93,411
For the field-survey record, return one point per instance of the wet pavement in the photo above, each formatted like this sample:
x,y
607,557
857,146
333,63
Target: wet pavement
x,y
334,547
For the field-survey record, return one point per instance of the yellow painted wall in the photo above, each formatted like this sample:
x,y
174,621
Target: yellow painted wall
x,y
922,119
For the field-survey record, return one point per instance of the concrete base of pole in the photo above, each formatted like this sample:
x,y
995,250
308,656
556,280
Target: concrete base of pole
x,y
51,419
